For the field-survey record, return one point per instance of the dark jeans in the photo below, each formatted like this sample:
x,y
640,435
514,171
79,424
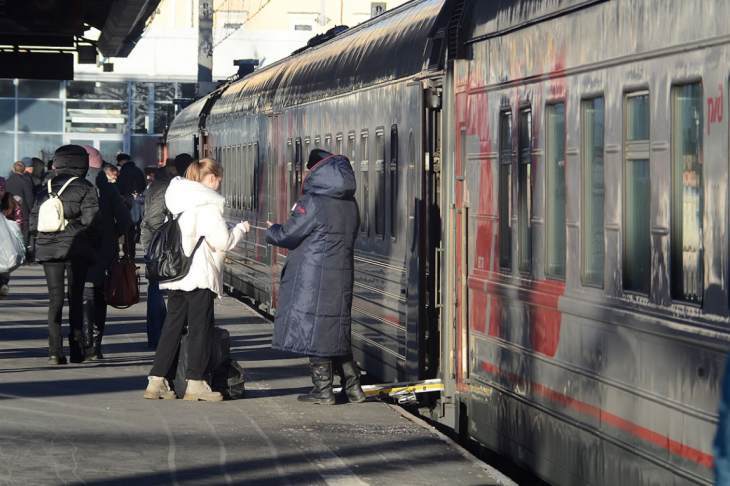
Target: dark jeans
x,y
94,314
195,307
75,273
156,313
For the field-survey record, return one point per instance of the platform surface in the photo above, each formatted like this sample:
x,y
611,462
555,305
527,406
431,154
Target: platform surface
x,y
88,423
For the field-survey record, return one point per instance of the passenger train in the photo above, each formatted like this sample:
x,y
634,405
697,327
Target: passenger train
x,y
543,187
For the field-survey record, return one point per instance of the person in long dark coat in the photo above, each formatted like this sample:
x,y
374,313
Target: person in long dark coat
x,y
313,314
131,184
111,222
67,252
20,184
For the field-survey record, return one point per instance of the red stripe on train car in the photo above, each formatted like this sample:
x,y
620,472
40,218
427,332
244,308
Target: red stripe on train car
x,y
648,435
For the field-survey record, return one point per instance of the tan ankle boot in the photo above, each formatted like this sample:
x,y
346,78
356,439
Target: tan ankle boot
x,y
158,388
200,390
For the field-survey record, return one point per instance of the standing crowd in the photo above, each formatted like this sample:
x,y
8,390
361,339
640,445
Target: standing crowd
x,y
79,215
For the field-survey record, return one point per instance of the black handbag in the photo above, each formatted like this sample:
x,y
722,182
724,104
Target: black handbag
x,y
165,260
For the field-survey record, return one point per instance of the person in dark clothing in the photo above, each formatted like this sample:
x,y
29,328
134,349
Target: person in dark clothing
x,y
38,174
313,315
111,221
131,184
69,251
20,184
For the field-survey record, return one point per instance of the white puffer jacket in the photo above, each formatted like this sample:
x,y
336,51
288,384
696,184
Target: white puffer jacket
x,y
202,215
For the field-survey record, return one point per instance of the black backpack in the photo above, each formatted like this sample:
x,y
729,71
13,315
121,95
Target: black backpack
x,y
164,258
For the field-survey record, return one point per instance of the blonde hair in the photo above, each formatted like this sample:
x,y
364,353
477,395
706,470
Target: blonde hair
x,y
199,169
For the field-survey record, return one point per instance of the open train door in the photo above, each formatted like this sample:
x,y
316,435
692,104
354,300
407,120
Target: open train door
x,y
430,236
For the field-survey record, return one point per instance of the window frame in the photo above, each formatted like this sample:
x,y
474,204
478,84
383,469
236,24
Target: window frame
x,y
632,151
364,183
393,180
549,200
524,158
502,163
379,189
584,190
673,89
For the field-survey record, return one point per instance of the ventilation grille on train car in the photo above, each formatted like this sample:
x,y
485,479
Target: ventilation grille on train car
x,y
454,29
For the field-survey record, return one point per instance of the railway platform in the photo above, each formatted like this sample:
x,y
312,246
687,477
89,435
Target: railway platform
x,y
88,423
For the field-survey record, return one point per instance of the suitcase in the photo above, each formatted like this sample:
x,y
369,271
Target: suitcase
x,y
224,374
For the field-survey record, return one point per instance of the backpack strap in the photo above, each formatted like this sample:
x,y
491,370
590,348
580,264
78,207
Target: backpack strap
x,y
58,194
65,185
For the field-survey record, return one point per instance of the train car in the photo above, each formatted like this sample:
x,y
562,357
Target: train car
x,y
543,191
589,235
349,95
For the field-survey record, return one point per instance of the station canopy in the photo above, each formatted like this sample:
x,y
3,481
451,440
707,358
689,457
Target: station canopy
x,y
38,37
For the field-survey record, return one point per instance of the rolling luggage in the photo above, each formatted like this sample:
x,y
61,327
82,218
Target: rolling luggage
x,y
224,374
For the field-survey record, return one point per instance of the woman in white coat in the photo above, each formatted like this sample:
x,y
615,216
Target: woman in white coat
x,y
196,200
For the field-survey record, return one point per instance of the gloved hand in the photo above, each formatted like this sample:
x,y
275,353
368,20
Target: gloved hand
x,y
243,226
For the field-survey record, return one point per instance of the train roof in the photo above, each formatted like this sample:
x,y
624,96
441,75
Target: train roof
x,y
483,20
388,47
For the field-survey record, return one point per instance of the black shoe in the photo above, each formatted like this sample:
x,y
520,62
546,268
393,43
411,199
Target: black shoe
x,y
57,360
322,379
350,380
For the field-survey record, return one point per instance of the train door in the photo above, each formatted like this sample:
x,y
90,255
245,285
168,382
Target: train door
x,y
431,238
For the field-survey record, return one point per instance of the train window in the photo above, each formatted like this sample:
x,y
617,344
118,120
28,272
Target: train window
x,y
290,165
351,149
245,151
637,195
593,191
339,144
393,180
688,194
379,182
255,177
297,170
305,154
238,160
505,187
364,201
524,190
328,142
555,150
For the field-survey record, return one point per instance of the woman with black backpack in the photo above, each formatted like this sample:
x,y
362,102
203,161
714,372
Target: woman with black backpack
x,y
198,209
61,219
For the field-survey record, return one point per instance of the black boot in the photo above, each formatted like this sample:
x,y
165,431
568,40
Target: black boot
x,y
76,347
322,380
87,329
350,380
96,351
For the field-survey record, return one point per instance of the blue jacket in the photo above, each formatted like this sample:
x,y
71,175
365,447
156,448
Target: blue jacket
x,y
315,297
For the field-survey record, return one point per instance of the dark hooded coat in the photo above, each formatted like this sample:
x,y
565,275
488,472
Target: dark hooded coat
x,y
111,221
313,315
155,210
80,205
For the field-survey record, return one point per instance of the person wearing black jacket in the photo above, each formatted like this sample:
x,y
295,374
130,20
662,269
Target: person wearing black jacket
x,y
21,184
313,315
131,184
154,217
68,252
111,221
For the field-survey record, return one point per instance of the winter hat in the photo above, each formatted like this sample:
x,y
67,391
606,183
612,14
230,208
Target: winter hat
x,y
95,159
182,161
71,156
316,156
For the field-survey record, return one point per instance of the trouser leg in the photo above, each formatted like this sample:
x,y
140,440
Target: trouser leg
x,y
156,312
54,280
76,277
167,348
200,332
89,316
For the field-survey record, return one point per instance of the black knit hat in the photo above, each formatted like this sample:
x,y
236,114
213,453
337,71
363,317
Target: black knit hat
x,y
71,156
315,156
182,161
